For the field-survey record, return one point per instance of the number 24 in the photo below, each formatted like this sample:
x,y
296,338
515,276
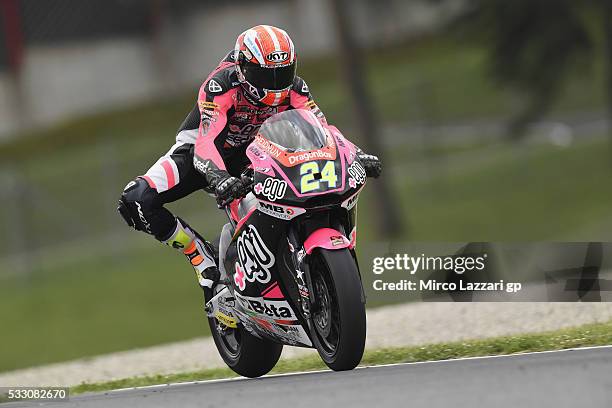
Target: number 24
x,y
308,171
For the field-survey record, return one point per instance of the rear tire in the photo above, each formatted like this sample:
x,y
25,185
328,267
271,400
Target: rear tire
x,y
244,353
339,322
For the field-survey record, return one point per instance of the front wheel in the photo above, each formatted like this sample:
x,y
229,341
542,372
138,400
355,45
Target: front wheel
x,y
338,322
244,353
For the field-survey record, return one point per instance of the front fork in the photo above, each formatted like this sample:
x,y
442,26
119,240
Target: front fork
x,y
301,272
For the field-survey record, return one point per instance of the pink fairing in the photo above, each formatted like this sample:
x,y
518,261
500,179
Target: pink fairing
x,y
326,238
245,218
262,162
345,147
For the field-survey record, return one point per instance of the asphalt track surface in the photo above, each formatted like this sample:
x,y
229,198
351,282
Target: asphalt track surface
x,y
569,378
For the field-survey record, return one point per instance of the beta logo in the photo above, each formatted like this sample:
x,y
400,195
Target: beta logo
x,y
273,189
278,310
277,56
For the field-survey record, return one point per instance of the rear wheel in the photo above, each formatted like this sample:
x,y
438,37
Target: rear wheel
x,y
338,320
244,353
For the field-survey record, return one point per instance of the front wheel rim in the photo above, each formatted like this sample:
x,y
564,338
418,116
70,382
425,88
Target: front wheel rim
x,y
326,319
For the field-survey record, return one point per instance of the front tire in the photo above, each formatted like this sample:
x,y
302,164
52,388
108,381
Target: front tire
x,y
338,323
244,353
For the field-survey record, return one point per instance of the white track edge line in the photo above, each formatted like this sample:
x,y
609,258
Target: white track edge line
x,y
450,360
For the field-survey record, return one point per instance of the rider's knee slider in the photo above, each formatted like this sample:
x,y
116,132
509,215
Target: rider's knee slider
x,y
135,203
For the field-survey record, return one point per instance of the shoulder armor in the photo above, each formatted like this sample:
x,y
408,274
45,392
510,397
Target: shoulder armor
x,y
300,86
221,82
229,57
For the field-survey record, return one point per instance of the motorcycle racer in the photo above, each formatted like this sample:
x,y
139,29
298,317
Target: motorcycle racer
x,y
256,80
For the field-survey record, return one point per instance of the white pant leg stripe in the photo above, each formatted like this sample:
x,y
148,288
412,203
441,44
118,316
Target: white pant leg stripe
x,y
158,175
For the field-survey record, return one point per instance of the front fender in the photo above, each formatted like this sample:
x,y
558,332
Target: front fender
x,y
326,238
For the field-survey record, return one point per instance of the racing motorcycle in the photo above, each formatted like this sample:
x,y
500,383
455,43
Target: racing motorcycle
x,y
287,256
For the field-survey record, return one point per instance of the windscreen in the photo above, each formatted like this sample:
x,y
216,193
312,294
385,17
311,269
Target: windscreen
x,y
294,131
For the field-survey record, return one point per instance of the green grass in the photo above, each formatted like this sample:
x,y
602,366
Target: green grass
x,y
531,192
103,305
589,335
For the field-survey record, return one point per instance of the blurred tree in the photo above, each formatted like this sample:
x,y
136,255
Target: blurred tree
x,y
365,117
11,33
532,46
607,16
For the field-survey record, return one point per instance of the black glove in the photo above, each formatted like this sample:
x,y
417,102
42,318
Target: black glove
x,y
371,164
228,189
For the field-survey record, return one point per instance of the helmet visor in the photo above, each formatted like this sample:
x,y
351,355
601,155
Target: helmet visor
x,y
270,78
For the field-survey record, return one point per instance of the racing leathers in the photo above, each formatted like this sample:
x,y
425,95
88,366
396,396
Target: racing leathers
x,y
210,149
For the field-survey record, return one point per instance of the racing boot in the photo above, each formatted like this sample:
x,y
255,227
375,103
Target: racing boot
x,y
200,253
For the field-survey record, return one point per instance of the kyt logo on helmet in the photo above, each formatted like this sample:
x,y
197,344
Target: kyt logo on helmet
x,y
265,63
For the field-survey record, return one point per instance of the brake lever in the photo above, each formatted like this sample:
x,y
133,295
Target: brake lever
x,y
247,181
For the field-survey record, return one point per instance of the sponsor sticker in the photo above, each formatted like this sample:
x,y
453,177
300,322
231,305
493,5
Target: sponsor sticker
x,y
307,156
142,218
357,172
265,170
303,289
226,320
301,254
268,146
258,154
294,334
337,240
350,202
200,165
255,259
275,309
209,106
237,139
273,189
282,212
277,56
206,122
